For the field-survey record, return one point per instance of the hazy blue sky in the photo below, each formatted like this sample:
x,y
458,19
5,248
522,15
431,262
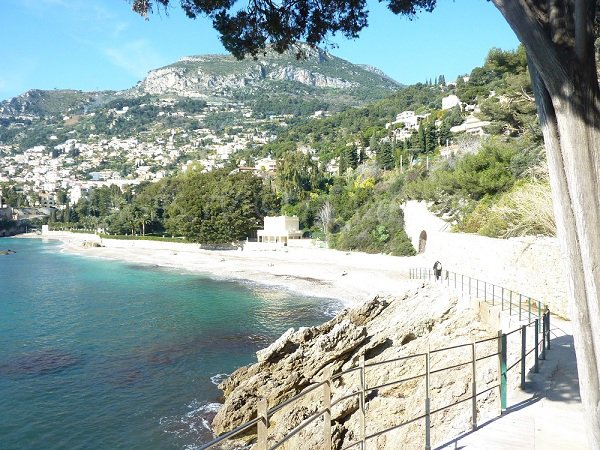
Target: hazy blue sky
x,y
102,44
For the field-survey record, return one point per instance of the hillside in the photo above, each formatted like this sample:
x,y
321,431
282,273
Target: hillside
x,y
40,103
343,174
195,102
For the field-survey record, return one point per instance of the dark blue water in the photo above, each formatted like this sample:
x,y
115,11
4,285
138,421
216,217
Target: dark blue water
x,y
105,355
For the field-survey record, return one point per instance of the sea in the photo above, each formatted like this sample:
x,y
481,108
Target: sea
x,y
99,354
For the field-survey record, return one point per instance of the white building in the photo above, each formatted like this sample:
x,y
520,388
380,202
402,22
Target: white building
x,y
410,120
280,229
472,125
450,102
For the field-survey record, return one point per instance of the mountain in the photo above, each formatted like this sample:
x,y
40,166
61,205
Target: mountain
x,y
217,76
37,102
268,84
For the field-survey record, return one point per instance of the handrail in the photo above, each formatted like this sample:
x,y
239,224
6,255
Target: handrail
x,y
274,409
262,419
465,283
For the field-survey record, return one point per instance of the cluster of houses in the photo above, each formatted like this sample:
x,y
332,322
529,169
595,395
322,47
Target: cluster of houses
x,y
407,122
75,167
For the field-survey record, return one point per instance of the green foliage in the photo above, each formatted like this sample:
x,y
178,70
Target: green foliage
x,y
376,227
297,174
217,208
366,125
525,209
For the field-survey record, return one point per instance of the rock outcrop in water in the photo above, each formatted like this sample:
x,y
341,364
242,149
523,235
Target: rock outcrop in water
x,y
382,329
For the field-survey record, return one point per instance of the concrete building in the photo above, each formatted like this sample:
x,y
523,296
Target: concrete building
x,y
472,125
450,102
280,229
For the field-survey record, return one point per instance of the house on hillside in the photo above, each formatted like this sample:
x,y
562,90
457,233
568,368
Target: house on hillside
x,y
280,229
450,102
472,125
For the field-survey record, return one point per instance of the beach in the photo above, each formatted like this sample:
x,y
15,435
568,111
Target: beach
x,y
351,277
354,277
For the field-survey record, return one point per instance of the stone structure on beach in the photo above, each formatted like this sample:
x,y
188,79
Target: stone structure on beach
x,y
384,328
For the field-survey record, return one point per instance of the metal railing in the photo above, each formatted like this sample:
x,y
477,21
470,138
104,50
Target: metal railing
x,y
428,369
516,304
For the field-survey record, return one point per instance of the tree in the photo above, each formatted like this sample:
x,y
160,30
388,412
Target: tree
x,y
326,218
217,208
384,156
558,37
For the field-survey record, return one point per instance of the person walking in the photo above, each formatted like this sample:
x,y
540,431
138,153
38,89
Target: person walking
x,y
437,270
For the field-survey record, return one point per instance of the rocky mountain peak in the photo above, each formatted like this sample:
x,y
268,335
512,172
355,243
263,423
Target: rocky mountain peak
x,y
205,76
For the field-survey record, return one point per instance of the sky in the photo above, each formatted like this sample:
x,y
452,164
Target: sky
x,y
102,44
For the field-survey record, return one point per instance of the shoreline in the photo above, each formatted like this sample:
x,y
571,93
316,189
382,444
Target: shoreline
x,y
350,277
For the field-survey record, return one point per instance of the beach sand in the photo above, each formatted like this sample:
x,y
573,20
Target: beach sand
x,y
351,277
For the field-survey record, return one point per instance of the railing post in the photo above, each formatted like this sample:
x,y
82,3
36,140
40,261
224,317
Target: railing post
x,y
477,284
502,368
520,303
529,309
543,354
469,285
263,424
327,407
427,405
523,353
502,299
362,413
454,280
548,329
510,304
537,345
493,295
539,309
485,291
474,390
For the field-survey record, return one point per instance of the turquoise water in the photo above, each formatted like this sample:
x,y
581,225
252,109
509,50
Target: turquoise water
x,y
105,355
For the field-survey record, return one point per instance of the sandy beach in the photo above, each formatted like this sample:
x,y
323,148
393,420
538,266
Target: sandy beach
x,y
351,277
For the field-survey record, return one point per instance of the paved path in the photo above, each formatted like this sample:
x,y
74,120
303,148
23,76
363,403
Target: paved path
x,y
546,415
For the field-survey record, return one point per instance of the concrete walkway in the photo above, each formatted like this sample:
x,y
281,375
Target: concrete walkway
x,y
546,415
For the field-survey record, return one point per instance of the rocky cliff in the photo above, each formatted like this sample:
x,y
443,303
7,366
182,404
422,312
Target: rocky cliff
x,y
382,329
210,75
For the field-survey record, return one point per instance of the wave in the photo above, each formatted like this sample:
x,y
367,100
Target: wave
x,y
219,378
194,424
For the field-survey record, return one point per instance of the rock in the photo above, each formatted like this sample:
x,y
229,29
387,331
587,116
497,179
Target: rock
x,y
276,348
90,244
381,329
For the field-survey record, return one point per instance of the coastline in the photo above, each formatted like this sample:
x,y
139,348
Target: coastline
x,y
350,277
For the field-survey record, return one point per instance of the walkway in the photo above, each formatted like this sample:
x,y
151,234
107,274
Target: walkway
x,y
547,415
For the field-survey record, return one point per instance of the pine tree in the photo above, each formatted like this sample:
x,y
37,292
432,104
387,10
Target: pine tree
x,y
351,156
385,157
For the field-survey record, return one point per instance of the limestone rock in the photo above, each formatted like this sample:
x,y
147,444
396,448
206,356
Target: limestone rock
x,y
380,330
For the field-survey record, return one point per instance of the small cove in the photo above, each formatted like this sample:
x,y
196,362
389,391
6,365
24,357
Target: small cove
x,y
105,354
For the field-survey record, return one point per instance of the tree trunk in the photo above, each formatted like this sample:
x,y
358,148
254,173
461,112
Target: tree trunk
x,y
577,245
563,72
